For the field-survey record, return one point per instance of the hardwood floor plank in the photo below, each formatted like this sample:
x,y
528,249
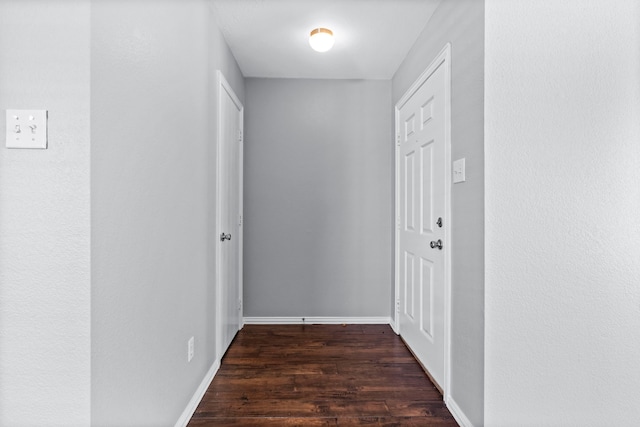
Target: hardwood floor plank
x,y
417,408
320,375
395,422
276,370
264,422
317,395
292,408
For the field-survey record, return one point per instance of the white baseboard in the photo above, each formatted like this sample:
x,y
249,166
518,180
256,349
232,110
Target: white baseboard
x,y
457,413
317,320
197,396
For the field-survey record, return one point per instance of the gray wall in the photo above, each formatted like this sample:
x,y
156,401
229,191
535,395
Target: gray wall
x,y
317,195
44,217
461,22
152,183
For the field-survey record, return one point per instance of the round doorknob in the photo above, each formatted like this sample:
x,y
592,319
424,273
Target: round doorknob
x,y
224,237
436,244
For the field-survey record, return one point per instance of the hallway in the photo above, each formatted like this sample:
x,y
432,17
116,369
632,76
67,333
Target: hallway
x,y
110,237
320,375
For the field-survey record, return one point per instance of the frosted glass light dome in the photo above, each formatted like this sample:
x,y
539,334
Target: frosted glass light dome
x,y
321,39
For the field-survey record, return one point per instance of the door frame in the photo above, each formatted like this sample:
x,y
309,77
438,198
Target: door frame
x,y
442,59
223,85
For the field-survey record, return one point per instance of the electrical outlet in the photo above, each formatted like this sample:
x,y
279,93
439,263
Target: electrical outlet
x,y
190,348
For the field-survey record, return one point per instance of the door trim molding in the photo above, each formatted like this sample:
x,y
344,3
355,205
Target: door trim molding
x,y
223,84
443,58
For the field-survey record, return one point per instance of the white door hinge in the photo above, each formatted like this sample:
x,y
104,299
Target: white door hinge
x,y
398,139
240,223
239,135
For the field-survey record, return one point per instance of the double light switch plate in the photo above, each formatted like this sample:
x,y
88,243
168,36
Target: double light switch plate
x,y
27,129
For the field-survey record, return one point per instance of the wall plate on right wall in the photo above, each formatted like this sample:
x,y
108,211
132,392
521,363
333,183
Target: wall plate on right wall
x,y
458,171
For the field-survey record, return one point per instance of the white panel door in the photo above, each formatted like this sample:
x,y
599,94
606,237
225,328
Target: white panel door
x,y
229,212
422,210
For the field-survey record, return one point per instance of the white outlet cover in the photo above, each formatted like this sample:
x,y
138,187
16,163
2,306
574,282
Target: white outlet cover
x,y
459,171
26,129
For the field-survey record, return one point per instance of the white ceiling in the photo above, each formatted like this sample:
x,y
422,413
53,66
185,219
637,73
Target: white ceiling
x,y
269,38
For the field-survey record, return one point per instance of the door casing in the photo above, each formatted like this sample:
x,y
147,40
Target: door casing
x,y
442,59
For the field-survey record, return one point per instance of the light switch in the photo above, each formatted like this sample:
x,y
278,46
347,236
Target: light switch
x,y
27,129
458,171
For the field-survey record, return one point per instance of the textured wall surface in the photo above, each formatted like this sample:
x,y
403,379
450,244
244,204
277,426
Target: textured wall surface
x,y
461,22
153,265
44,218
562,202
317,195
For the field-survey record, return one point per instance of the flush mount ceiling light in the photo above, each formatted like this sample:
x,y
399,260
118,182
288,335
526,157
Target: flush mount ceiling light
x,y
321,39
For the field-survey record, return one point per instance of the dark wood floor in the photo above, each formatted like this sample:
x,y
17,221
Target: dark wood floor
x,y
320,375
